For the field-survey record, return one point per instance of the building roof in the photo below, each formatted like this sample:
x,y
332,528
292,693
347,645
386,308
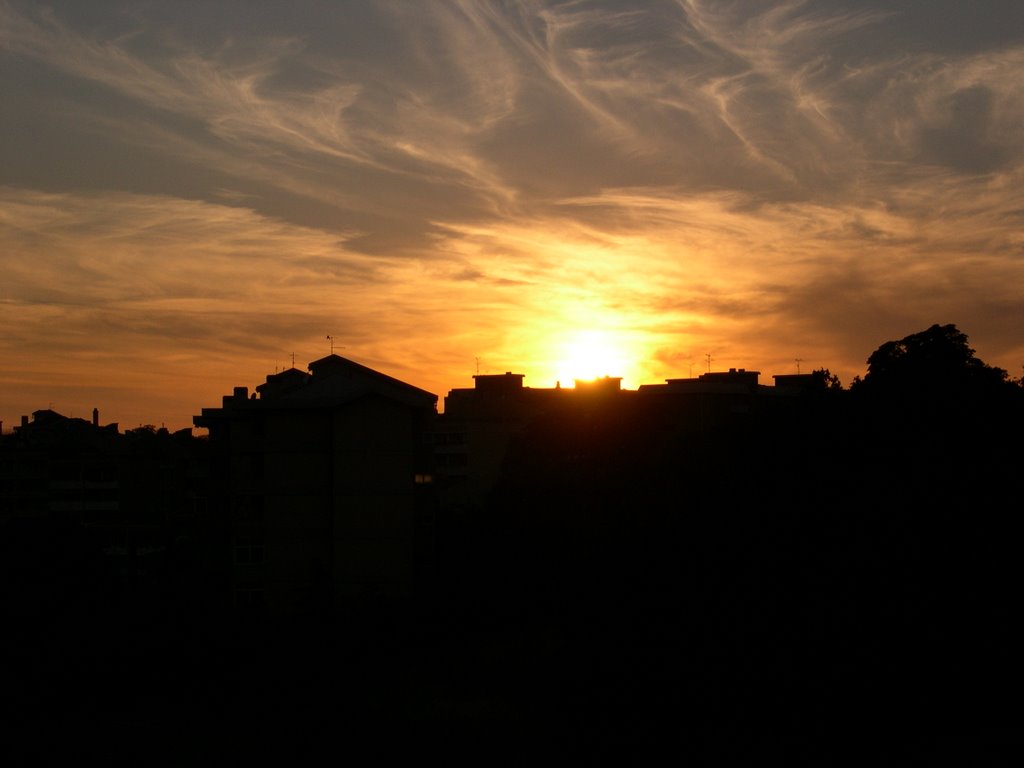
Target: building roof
x,y
338,376
332,381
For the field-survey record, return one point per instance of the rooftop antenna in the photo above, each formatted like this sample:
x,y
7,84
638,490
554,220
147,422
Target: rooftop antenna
x,y
691,369
331,339
798,361
293,357
477,365
708,356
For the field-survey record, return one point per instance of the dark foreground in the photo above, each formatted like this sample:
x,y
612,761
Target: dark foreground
x,y
624,649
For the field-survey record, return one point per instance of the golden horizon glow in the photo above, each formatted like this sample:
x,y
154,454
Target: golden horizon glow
x,y
591,354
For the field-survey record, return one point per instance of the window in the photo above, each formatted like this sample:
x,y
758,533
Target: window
x,y
248,507
249,547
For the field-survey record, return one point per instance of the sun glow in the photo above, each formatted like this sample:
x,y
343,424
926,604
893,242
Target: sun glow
x,y
589,355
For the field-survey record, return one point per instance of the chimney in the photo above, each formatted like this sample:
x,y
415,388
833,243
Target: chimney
x,y
95,417
24,421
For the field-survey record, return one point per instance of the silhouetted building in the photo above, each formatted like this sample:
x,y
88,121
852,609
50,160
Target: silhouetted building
x,y
117,514
734,381
797,383
325,480
56,464
472,436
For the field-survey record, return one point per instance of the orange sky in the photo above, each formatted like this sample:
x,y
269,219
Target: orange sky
x,y
190,193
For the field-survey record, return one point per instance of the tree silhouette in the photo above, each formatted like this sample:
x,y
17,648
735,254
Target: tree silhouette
x,y
825,379
936,360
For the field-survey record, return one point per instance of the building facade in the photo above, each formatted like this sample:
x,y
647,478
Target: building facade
x,y
325,482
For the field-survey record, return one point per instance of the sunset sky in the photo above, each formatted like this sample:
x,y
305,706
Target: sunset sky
x,y
193,191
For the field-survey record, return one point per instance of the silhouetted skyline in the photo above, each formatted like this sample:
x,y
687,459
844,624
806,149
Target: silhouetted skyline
x,y
739,380
193,193
707,568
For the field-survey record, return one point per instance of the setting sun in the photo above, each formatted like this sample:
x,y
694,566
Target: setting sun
x,y
589,355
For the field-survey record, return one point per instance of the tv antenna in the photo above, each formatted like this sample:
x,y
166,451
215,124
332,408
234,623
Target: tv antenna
x,y
293,359
477,365
798,361
331,339
708,356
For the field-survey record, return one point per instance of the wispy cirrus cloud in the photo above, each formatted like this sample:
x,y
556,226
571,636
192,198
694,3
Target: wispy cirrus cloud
x,y
227,89
256,122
